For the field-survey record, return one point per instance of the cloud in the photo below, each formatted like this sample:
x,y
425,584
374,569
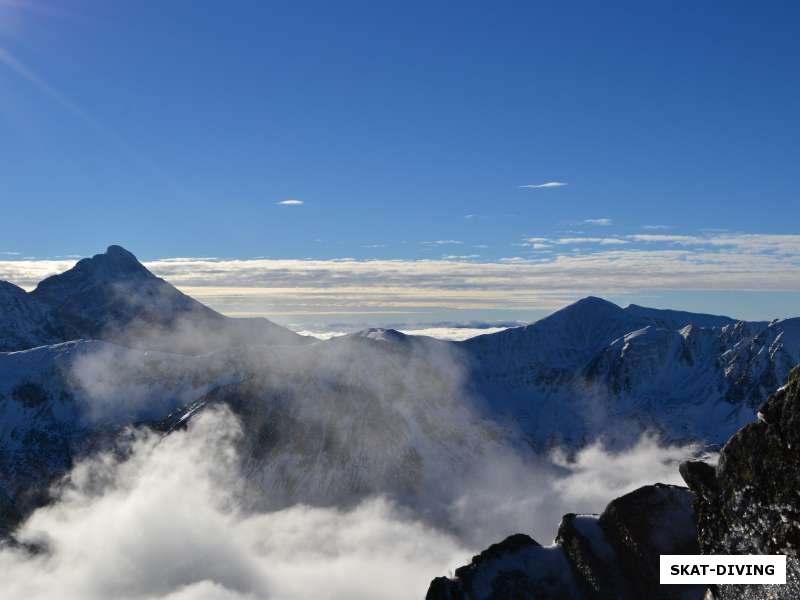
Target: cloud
x,y
604,221
442,243
290,203
541,281
168,522
452,333
547,184
609,241
656,227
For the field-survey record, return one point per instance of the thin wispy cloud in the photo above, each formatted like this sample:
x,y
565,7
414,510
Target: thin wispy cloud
x,y
290,202
656,227
545,185
603,221
442,243
603,241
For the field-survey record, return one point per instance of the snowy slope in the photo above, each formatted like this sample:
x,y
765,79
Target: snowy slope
x,y
24,321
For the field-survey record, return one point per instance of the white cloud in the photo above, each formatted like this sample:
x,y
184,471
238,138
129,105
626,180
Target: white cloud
x,y
649,262
442,243
290,203
547,184
656,227
169,523
452,333
603,221
609,241
321,335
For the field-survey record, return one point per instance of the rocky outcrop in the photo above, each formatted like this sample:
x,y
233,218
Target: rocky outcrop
x,y
750,502
517,567
611,557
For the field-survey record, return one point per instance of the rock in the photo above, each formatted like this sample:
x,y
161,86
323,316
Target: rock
x,y
750,504
593,560
611,557
641,526
517,567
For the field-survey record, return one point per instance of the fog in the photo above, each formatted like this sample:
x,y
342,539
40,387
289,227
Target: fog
x,y
167,522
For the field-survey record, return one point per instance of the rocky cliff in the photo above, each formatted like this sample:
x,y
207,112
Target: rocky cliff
x,y
750,502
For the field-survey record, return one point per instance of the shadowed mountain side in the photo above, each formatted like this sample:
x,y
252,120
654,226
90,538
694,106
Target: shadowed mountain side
x,y
113,297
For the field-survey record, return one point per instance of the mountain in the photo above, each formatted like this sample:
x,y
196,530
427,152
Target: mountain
x,y
325,424
594,369
112,296
745,504
378,412
25,322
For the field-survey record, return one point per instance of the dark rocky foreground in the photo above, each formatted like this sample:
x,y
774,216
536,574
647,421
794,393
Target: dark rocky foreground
x,y
612,556
748,504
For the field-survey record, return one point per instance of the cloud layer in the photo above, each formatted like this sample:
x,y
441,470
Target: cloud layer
x,y
550,272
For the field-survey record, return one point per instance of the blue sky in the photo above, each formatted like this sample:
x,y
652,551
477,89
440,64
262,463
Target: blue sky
x,y
175,129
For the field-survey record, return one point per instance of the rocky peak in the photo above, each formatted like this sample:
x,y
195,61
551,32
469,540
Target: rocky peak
x,y
114,265
748,503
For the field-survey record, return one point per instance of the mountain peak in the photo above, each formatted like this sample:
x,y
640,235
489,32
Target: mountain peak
x,y
116,262
114,265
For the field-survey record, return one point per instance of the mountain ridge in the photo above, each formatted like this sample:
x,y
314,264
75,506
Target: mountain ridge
x,y
112,296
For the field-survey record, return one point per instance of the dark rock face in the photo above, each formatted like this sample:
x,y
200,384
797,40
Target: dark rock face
x,y
750,504
613,557
643,525
517,567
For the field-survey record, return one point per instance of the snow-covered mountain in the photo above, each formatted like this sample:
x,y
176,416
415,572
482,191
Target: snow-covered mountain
x,y
112,296
595,369
25,322
374,412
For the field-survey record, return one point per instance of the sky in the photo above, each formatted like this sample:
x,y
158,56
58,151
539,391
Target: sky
x,y
409,163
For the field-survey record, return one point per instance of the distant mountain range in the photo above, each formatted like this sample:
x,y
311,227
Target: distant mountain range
x,y
107,344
